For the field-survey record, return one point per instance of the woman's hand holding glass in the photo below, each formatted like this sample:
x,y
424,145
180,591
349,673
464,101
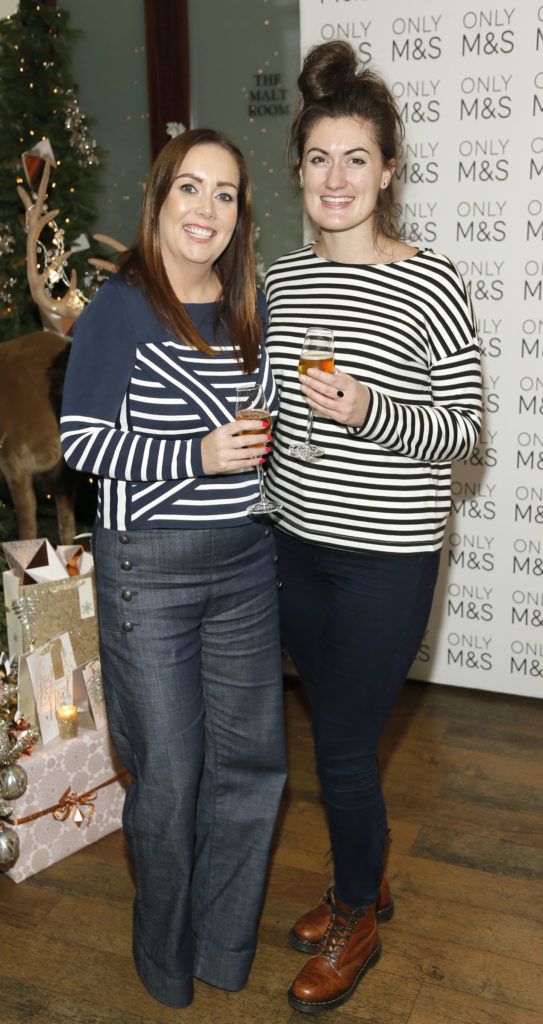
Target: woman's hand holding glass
x,y
250,401
337,395
317,350
225,449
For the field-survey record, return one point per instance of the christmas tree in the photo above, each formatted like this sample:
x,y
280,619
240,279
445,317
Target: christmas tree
x,y
38,101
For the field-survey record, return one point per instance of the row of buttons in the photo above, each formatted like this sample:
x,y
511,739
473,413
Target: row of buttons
x,y
126,593
126,564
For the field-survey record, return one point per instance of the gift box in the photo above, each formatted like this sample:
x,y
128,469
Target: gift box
x,y
74,796
36,612
35,561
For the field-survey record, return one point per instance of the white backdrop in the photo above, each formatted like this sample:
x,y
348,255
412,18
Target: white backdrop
x,y
468,78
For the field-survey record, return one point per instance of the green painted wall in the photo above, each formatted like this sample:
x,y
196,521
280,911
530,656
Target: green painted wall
x,y
231,44
109,65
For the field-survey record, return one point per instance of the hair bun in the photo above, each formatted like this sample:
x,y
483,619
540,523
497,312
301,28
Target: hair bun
x,y
327,68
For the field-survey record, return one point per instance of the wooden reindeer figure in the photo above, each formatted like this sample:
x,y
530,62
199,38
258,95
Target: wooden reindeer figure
x,y
31,371
29,434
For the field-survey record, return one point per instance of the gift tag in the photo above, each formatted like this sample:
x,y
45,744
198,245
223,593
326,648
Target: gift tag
x,y
49,668
86,599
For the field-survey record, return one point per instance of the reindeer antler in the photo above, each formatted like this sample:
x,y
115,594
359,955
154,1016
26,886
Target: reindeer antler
x,y
113,244
71,303
56,314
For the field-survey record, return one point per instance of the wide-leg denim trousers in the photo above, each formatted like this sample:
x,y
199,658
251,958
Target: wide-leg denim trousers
x,y
189,643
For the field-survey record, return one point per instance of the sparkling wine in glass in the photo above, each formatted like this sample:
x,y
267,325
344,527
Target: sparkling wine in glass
x,y
251,405
317,351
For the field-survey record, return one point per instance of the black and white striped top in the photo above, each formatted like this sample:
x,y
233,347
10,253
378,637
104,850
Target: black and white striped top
x,y
137,403
407,331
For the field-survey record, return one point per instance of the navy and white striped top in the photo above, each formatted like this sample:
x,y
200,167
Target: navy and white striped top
x,y
137,403
407,331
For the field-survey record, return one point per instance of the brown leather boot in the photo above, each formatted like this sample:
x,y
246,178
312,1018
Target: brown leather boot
x,y
349,948
308,932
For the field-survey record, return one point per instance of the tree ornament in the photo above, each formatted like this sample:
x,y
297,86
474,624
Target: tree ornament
x,y
7,241
9,847
13,781
26,610
9,687
175,128
5,744
7,285
24,742
8,693
9,751
76,127
32,99
93,279
5,808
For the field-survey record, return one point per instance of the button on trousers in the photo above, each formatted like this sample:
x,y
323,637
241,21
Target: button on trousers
x,y
189,643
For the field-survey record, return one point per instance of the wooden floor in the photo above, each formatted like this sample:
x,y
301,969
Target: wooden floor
x,y
464,784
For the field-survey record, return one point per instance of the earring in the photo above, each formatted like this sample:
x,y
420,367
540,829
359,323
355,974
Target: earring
x,y
385,183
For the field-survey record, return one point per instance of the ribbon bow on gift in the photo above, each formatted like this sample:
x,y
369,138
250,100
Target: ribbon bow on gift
x,y
75,808
72,807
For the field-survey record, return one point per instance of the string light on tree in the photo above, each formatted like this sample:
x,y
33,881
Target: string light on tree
x,y
76,126
38,99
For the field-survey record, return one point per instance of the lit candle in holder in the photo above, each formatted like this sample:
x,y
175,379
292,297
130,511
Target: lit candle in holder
x,y
67,721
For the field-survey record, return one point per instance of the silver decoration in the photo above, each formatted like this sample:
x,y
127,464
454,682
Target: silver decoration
x,y
78,131
5,744
24,740
175,128
13,781
53,270
9,687
8,692
9,751
7,285
5,808
26,610
95,688
9,847
7,240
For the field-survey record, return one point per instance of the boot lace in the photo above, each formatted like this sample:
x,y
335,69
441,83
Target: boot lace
x,y
338,933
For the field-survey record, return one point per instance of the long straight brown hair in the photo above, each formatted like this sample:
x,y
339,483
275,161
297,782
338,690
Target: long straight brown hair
x,y
236,308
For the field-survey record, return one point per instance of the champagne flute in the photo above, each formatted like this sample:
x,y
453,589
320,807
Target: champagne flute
x,y
317,351
251,405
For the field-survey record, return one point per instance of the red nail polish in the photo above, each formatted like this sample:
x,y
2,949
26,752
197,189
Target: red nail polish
x,y
262,460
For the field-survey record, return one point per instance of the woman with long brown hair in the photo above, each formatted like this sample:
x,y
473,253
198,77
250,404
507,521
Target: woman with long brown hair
x,y
189,639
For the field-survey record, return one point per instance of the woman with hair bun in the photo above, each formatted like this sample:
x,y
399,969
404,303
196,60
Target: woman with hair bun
x,y
361,529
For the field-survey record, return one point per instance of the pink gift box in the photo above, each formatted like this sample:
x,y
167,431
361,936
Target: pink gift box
x,y
75,795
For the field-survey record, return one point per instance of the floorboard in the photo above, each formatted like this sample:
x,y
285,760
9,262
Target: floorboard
x,y
464,786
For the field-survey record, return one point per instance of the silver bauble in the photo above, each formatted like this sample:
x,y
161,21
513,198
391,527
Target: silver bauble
x,y
13,781
9,847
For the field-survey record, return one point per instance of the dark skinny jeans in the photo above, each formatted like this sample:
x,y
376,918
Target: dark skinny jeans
x,y
352,623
